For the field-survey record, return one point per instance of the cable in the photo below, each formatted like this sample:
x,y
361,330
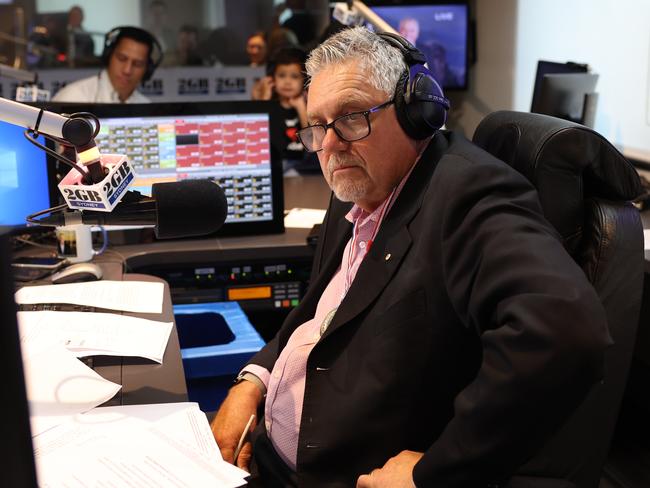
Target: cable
x,y
30,218
35,244
29,133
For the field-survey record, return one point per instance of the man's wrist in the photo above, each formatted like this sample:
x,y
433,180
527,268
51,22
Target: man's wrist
x,y
253,378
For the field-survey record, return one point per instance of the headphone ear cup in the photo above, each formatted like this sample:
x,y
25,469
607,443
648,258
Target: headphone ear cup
x,y
425,116
401,107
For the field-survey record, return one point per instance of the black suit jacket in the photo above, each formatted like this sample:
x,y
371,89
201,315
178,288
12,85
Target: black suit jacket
x,y
468,333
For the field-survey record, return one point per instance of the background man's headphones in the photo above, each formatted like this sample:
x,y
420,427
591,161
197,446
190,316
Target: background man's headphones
x,y
140,35
420,103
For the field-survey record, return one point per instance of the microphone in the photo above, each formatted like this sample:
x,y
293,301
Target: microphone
x,y
178,209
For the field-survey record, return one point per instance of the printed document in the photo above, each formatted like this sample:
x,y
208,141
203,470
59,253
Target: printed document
x,y
130,296
60,386
140,446
89,334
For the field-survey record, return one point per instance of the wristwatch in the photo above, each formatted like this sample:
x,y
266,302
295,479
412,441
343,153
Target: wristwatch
x,y
253,378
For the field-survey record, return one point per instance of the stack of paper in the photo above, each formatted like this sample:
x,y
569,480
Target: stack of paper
x,y
60,386
130,296
140,446
88,334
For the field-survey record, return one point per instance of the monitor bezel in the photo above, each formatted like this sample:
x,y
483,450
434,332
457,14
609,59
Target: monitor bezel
x,y
433,3
180,109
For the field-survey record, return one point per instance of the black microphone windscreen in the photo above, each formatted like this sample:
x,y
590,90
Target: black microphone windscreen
x,y
189,208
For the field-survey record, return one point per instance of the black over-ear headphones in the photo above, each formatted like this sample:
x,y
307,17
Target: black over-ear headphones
x,y
140,35
420,104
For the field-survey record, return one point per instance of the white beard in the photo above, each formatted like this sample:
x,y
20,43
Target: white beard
x,y
348,189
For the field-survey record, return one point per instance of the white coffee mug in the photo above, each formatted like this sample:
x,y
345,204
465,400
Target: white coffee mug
x,y
75,243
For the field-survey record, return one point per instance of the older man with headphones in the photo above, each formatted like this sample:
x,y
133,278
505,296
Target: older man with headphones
x,y
130,56
446,334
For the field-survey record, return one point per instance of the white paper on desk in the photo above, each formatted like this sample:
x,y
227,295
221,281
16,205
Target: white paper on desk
x,y
304,218
135,446
87,334
182,423
60,386
130,296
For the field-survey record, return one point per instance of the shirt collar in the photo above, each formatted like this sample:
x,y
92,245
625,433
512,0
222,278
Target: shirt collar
x,y
106,87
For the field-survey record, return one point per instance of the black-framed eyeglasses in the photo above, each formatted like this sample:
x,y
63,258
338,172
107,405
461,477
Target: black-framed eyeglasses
x,y
349,127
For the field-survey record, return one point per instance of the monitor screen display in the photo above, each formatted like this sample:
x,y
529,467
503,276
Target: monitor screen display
x,y
227,142
24,182
439,30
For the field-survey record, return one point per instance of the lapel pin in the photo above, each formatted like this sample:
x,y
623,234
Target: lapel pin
x,y
387,257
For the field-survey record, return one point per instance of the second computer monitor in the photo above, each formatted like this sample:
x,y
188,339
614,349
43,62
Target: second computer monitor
x,y
227,142
569,96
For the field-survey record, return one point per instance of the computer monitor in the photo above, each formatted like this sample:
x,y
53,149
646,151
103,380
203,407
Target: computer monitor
x,y
569,96
16,451
227,142
551,67
439,29
27,184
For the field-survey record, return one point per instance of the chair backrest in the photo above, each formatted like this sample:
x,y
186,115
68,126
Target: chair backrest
x,y
585,186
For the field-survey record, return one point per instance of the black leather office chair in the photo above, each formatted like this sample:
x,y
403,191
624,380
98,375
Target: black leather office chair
x,y
585,186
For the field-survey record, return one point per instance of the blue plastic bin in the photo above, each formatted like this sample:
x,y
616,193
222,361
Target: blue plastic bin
x,y
211,367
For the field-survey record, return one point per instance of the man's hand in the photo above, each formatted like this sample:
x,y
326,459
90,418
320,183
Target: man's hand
x,y
396,473
231,419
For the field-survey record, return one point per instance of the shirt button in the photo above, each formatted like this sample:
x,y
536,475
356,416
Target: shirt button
x,y
267,424
362,244
276,374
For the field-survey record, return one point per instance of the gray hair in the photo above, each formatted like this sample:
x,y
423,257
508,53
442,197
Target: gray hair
x,y
383,62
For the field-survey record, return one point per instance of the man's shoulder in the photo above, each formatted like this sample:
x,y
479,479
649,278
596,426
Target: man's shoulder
x,y
77,91
137,97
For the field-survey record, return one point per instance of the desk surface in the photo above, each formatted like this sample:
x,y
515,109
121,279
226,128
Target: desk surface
x,y
144,381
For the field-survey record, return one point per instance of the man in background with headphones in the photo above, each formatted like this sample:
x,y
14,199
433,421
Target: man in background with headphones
x,y
446,333
130,57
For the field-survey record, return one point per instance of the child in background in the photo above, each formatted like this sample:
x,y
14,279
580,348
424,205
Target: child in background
x,y
285,84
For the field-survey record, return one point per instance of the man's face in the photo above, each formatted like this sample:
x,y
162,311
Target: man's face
x,y
410,30
75,17
127,66
256,49
364,171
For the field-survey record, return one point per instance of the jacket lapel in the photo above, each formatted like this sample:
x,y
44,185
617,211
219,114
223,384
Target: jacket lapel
x,y
392,241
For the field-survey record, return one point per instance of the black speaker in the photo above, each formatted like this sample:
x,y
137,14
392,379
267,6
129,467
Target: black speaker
x,y
420,103
140,35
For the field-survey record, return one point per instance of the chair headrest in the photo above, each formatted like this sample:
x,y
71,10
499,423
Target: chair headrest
x,y
565,161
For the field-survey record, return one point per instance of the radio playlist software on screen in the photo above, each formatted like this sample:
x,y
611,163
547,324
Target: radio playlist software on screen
x,y
233,150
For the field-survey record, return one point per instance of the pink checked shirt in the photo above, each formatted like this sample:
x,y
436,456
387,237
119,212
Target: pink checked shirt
x,y
286,383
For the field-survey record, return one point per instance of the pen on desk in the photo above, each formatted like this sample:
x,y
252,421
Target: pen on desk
x,y
240,444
